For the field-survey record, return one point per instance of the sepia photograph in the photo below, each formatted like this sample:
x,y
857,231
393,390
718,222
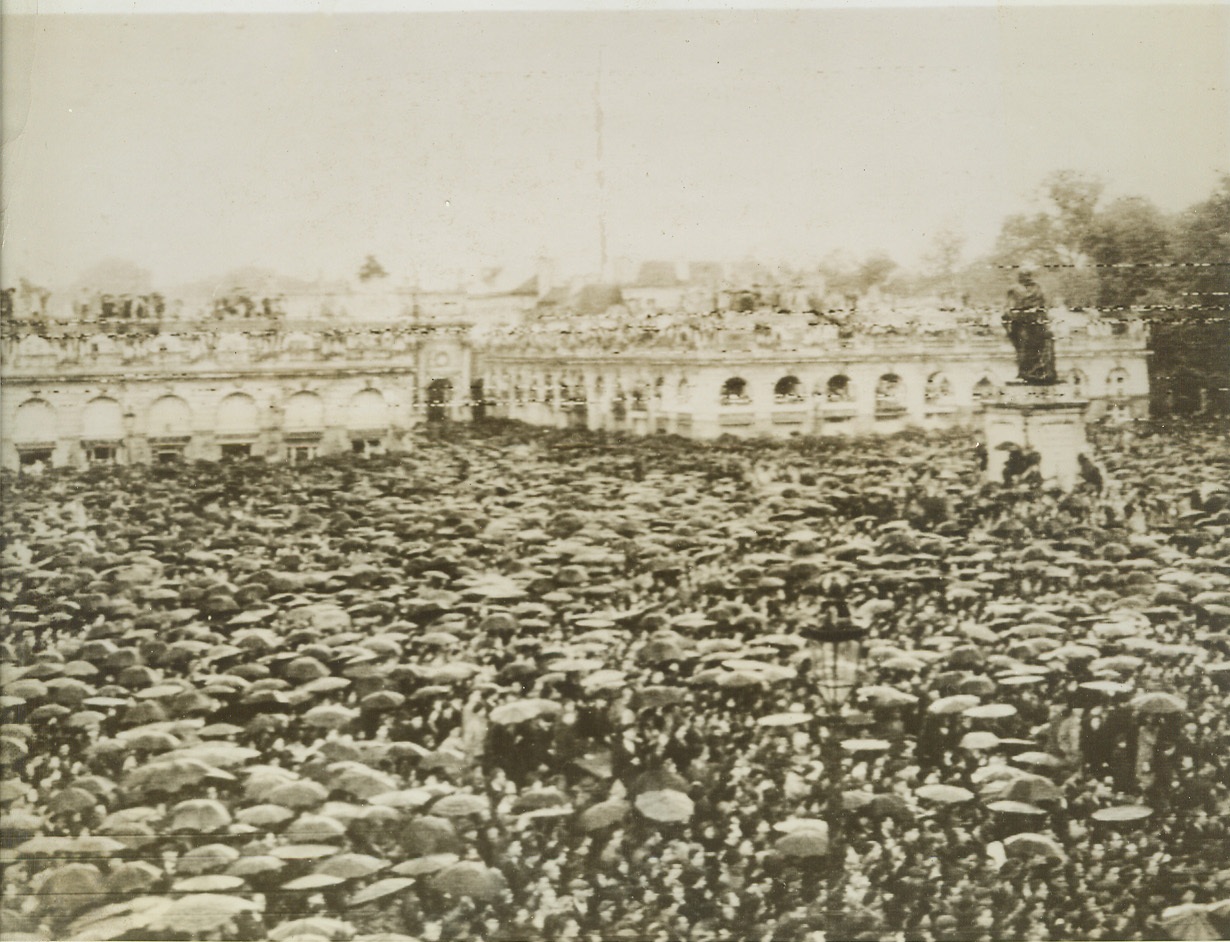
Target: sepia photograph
x,y
586,471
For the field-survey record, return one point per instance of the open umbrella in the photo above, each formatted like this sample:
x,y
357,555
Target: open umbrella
x,y
1034,845
1188,922
810,841
944,794
522,711
469,878
1158,703
666,805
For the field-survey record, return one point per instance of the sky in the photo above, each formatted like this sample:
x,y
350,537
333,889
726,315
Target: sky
x,y
197,144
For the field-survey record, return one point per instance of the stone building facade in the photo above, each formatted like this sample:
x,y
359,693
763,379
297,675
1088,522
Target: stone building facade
x,y
284,391
288,390
858,385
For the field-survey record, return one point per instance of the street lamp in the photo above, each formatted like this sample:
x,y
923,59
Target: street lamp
x,y
839,650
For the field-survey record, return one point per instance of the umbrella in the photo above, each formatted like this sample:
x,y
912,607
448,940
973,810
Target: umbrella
x,y
883,696
419,866
200,814
979,741
1029,788
469,878
322,927
360,780
604,814
312,881
297,794
812,841
380,889
351,866
990,711
959,703
1189,922
303,851
521,711
205,858
944,794
784,719
1034,845
199,913
1158,703
208,883
1015,807
666,805
330,716
133,876
1121,814
460,806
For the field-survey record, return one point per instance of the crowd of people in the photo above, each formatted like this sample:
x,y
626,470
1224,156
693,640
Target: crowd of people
x,y
526,684
644,327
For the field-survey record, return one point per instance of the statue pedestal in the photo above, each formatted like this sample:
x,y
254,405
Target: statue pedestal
x,y
1047,419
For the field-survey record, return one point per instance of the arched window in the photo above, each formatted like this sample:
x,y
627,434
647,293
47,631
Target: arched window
x,y
1116,383
368,412
34,423
102,420
939,389
984,389
684,391
1079,381
838,389
305,412
788,389
169,417
238,416
734,392
890,395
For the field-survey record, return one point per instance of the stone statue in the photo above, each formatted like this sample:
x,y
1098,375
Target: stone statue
x,y
1029,329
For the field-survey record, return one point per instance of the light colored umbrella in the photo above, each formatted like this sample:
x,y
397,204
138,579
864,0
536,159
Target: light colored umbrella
x,y
883,696
208,883
204,815
990,711
1121,814
330,716
380,889
1158,703
1189,922
944,794
351,866
1015,807
199,913
522,711
979,741
667,805
323,927
958,703
420,866
785,719
312,881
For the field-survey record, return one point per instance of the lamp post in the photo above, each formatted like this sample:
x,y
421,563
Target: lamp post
x,y
839,655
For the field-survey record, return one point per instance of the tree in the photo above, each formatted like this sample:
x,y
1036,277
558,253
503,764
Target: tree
x,y
943,259
873,272
1129,243
371,269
